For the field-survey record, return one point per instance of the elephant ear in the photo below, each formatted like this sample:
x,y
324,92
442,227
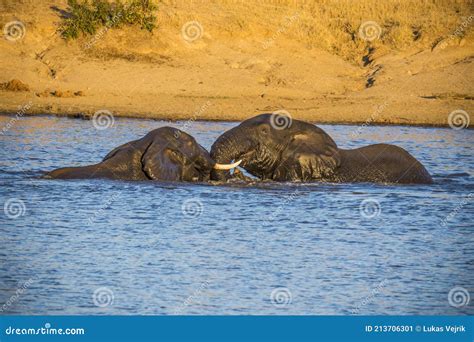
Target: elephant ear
x,y
312,156
157,163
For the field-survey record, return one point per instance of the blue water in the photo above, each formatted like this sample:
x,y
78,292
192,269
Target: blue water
x,y
116,247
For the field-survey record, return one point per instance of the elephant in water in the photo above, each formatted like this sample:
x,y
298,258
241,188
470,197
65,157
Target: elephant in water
x,y
274,147
165,153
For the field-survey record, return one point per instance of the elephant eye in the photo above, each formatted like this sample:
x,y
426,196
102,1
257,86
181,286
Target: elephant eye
x,y
264,130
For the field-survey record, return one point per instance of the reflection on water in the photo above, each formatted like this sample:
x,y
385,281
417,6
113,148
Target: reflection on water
x,y
112,247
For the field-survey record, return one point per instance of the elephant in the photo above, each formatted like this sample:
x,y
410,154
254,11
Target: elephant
x,y
164,154
275,147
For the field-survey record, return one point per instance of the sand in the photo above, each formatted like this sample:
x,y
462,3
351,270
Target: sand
x,y
228,72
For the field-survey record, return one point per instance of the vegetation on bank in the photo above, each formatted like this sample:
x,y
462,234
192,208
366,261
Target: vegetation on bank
x,y
87,17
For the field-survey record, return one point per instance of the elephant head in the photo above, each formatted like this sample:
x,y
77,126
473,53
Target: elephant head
x,y
163,154
273,146
171,154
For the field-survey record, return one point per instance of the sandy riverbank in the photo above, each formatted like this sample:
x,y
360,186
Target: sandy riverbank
x,y
248,59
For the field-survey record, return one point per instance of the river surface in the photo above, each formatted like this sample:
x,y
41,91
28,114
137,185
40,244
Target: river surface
x,y
116,247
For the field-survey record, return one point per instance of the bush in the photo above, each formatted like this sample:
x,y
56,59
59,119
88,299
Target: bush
x,y
87,17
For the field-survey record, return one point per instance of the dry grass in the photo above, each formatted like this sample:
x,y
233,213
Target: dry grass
x,y
330,25
404,24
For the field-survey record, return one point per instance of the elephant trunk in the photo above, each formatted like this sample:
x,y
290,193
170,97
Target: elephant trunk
x,y
228,147
204,160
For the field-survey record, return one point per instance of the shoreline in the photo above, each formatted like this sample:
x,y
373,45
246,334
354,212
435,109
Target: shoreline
x,y
350,109
83,116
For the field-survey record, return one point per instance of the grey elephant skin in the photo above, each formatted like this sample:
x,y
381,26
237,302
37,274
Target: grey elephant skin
x,y
274,147
165,153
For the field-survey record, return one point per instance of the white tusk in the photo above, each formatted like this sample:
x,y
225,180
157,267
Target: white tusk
x,y
227,166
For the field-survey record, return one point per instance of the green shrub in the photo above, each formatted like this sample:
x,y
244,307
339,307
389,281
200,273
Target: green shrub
x,y
87,17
